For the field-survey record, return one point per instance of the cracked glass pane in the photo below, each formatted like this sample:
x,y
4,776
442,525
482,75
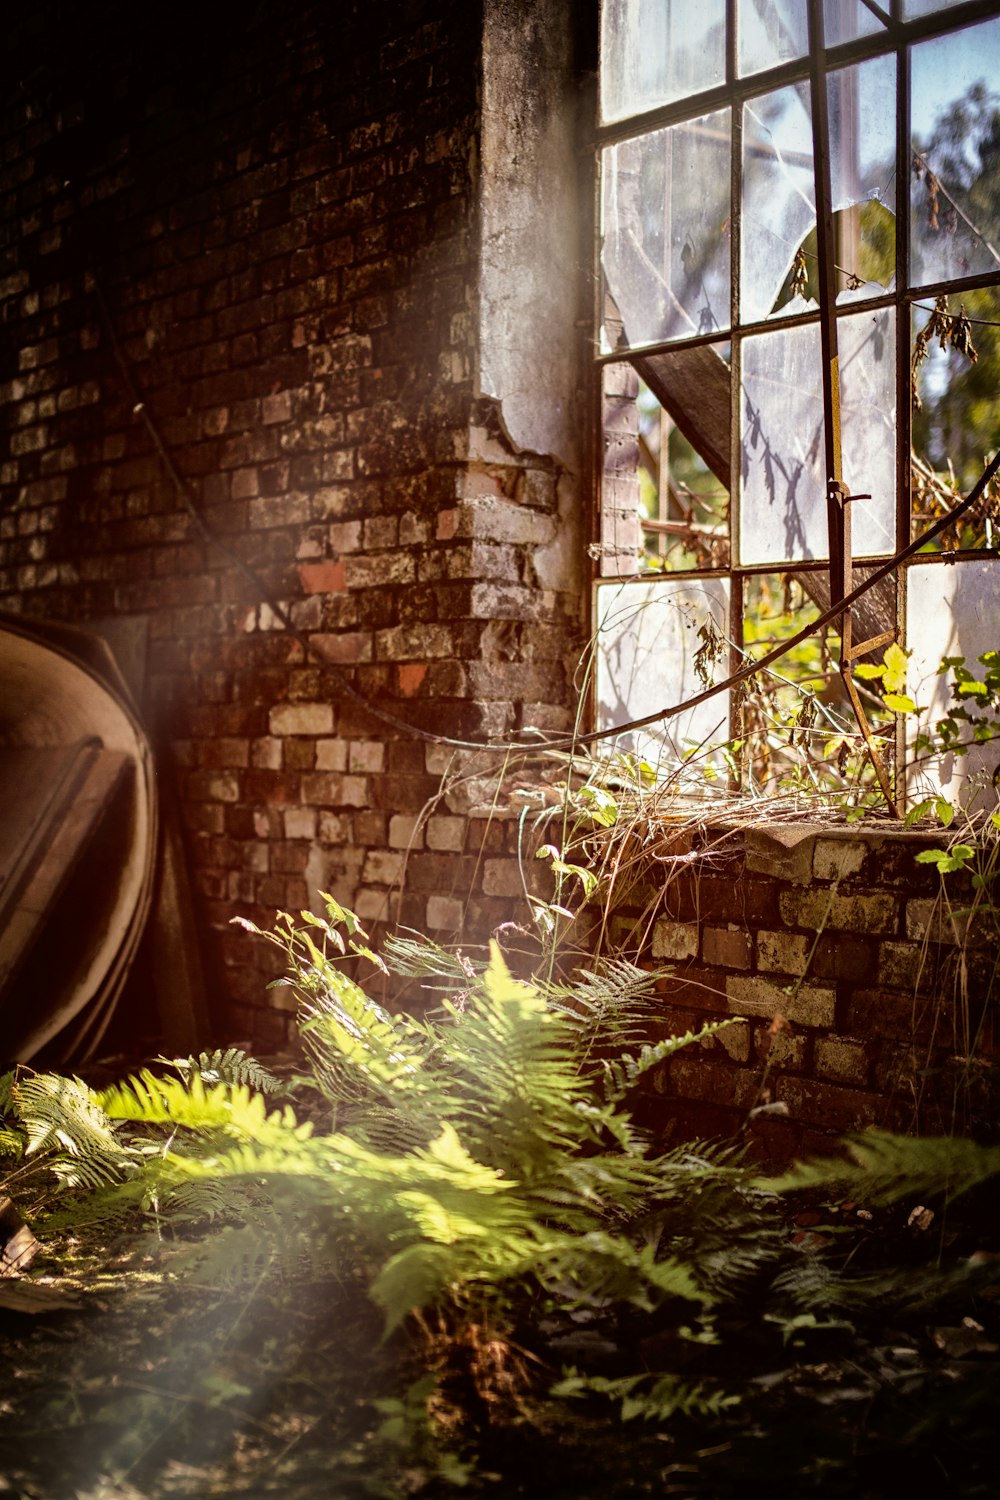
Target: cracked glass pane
x,y
783,515
771,32
778,203
862,110
783,490
955,156
656,51
659,644
951,610
665,249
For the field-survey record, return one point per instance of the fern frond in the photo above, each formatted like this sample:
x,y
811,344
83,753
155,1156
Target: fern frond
x,y
355,1047
418,957
64,1121
231,1065
624,1072
884,1168
651,1397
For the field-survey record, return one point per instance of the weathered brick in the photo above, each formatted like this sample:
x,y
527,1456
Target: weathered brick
x,y
873,912
445,913
728,947
674,940
301,718
405,832
838,859
783,952
806,1004
784,851
828,1104
941,922
444,832
841,1059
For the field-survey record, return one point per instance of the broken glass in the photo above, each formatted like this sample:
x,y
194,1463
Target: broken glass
x,y
665,248
955,369
778,202
951,610
955,156
655,51
783,490
658,644
771,32
861,103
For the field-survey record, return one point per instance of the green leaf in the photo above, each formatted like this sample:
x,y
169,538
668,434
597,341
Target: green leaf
x,y
894,668
945,811
899,703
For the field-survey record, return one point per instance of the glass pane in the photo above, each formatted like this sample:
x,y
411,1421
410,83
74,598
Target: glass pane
x,y
665,246
955,181
620,549
914,8
862,109
843,20
655,51
783,506
867,348
772,32
779,204
950,611
659,644
955,365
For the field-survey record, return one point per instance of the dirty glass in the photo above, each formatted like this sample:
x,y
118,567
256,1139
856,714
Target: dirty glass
x,y
778,201
619,551
955,169
783,506
656,51
951,610
658,644
914,8
861,103
771,32
843,20
665,249
955,372
867,347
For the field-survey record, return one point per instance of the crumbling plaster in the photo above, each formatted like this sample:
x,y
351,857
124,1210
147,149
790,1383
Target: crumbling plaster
x,y
531,227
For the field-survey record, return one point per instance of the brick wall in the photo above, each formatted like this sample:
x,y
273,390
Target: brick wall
x,y
866,997
280,207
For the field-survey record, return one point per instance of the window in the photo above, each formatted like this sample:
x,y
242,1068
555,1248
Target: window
x,y
757,361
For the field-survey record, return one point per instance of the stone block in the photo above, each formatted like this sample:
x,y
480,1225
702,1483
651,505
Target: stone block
x,y
806,1004
674,939
445,833
841,1059
938,922
301,718
727,947
784,851
783,952
838,859
445,913
820,910
405,832
828,1104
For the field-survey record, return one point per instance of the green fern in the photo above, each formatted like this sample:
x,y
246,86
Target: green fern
x,y
653,1398
884,1168
229,1065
